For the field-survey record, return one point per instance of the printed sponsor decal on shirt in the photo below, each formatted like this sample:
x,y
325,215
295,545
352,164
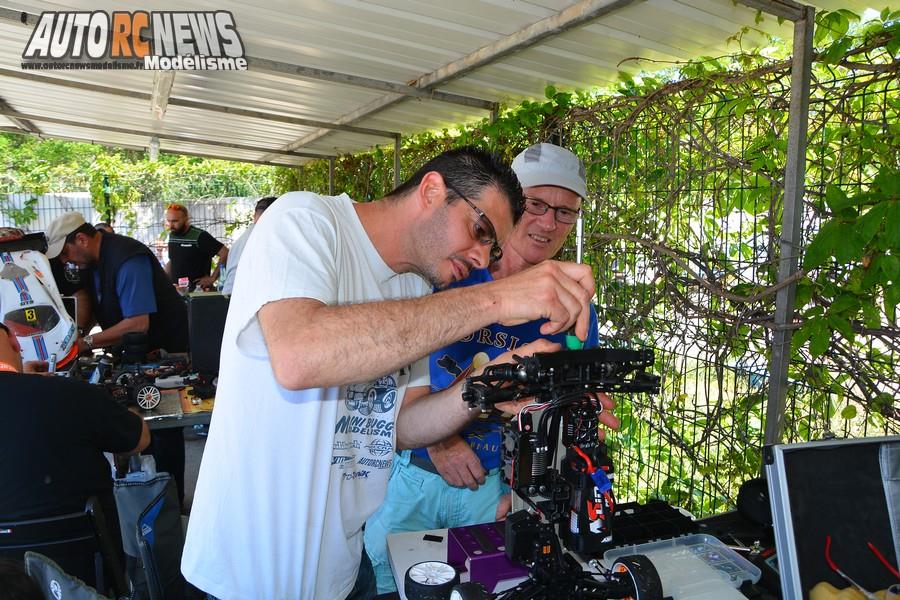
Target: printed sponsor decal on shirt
x,y
347,445
356,475
342,461
376,463
378,396
364,426
380,448
366,421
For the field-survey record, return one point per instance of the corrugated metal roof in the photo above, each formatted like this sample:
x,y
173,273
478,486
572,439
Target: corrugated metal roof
x,y
393,41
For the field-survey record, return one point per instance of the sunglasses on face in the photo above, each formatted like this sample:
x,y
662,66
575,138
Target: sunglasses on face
x,y
562,214
484,230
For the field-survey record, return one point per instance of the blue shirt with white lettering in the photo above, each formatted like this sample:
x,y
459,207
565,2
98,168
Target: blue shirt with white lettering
x,y
451,362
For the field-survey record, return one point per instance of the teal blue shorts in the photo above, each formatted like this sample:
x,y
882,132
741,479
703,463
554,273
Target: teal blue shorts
x,y
418,500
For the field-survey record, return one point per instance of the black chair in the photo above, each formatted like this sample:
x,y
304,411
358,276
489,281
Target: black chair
x,y
79,542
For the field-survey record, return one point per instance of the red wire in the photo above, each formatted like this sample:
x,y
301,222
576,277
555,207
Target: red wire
x,y
883,560
830,562
590,465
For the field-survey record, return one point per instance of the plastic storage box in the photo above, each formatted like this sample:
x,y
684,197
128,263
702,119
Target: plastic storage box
x,y
698,567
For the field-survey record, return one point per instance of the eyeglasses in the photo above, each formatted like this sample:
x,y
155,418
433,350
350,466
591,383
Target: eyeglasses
x,y
486,234
562,214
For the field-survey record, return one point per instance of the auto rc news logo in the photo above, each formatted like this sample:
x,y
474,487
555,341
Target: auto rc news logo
x,y
203,40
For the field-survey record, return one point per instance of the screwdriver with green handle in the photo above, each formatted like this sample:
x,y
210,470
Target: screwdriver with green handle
x,y
572,341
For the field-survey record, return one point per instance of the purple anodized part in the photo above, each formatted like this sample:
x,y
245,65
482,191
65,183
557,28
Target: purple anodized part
x,y
480,551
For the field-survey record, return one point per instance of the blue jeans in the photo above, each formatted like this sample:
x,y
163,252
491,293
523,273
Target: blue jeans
x,y
418,500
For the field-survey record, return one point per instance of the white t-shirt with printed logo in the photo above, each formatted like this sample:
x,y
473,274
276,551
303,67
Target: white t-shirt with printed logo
x,y
288,478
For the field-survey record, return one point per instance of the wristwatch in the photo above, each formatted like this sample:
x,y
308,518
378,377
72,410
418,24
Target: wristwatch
x,y
89,341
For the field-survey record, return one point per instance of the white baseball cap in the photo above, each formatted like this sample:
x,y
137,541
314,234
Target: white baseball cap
x,y
58,230
549,164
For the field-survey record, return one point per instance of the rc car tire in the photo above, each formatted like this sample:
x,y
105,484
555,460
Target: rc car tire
x,y
430,580
469,591
644,576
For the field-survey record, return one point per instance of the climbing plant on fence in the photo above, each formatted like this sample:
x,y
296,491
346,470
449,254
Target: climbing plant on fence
x,y
684,236
683,227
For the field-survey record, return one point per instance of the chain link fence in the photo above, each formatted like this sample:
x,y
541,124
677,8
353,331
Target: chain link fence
x,y
224,218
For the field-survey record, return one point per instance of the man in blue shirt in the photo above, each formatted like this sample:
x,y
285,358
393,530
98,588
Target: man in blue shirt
x,y
457,482
130,292
129,288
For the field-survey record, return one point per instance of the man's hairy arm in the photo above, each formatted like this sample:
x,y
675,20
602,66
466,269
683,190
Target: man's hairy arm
x,y
314,345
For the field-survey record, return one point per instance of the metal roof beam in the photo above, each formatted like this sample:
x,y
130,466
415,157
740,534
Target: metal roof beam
x,y
255,114
18,17
282,68
571,17
568,18
23,124
161,92
141,149
786,9
163,136
367,109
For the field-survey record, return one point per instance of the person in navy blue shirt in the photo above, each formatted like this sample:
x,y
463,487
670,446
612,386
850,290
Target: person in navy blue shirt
x,y
457,482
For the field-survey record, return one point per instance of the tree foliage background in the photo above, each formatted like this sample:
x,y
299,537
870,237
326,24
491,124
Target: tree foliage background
x,y
686,172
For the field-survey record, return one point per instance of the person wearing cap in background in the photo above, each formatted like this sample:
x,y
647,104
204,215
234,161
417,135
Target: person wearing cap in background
x,y
234,255
191,251
457,482
130,293
104,227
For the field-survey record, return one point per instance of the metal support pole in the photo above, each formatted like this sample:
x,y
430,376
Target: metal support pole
x,y
107,209
792,213
331,177
397,162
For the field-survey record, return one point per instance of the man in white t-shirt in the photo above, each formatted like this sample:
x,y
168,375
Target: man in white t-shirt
x,y
329,327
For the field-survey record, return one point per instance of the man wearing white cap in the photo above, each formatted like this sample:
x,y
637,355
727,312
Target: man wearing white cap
x,y
130,290
457,482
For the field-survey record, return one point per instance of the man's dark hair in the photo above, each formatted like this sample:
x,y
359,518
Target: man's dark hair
x,y
87,229
263,203
469,170
3,327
